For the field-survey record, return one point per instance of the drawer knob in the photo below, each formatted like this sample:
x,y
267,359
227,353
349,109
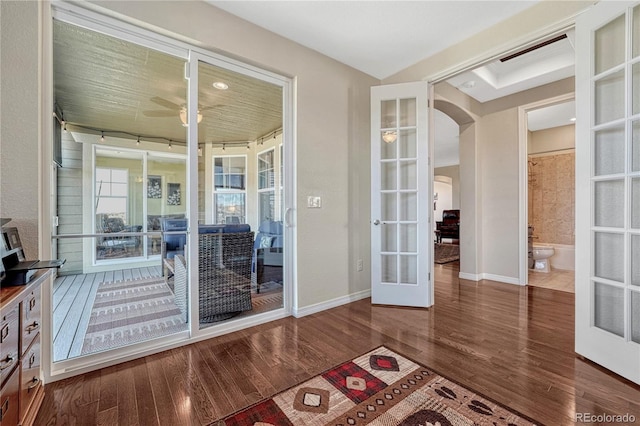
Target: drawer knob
x,y
33,327
34,382
7,362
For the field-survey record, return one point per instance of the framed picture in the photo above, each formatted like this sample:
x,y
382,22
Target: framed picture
x,y
174,197
12,240
154,187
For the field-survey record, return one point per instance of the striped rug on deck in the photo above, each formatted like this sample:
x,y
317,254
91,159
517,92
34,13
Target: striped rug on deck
x,y
126,312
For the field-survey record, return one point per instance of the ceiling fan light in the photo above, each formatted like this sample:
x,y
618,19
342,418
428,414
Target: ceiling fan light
x,y
389,136
183,117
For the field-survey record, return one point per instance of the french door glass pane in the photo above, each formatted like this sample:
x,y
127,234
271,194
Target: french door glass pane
x,y
389,237
409,269
609,308
388,118
408,238
407,143
609,45
609,256
388,150
389,206
635,203
409,206
636,32
408,175
609,98
389,268
635,76
609,151
635,316
609,203
388,175
407,112
635,147
635,260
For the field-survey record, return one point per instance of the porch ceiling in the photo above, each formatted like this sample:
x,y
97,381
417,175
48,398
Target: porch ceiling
x,y
105,84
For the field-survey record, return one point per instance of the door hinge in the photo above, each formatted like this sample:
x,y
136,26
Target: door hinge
x,y
429,276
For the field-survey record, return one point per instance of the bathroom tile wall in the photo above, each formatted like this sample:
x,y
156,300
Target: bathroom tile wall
x,y
552,197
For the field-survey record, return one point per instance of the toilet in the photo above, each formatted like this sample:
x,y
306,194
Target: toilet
x,y
541,255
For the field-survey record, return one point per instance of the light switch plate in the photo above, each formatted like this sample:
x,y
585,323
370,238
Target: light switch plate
x,y
314,202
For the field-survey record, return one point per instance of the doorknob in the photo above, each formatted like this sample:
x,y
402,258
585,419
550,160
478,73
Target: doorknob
x,y
376,222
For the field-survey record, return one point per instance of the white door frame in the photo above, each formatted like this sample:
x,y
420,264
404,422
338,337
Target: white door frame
x,y
523,197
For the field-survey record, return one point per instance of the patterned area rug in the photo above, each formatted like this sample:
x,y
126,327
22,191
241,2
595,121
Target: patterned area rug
x,y
378,388
126,312
269,298
445,253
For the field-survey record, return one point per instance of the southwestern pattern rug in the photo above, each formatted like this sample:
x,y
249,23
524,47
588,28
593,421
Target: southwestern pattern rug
x,y
126,312
379,388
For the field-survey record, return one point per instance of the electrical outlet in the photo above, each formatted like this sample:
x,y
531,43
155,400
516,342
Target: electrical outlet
x,y
360,265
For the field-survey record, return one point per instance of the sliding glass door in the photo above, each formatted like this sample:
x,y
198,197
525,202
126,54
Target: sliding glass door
x,y
171,193
240,233
122,175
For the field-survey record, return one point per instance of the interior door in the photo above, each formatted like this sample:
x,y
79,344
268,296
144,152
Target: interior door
x,y
401,187
608,186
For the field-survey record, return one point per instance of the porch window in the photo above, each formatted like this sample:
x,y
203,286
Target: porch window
x,y
230,189
266,186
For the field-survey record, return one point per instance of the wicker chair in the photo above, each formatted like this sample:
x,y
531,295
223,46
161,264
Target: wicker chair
x,y
224,272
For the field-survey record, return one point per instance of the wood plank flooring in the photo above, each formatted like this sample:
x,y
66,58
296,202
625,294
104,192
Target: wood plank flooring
x,y
513,344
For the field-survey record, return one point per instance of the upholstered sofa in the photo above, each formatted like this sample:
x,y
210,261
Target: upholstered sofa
x,y
450,225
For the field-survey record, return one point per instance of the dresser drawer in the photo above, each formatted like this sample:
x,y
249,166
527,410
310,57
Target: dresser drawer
x,y
31,308
9,397
9,338
30,381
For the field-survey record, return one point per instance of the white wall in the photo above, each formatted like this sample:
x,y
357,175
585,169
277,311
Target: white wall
x,y
445,197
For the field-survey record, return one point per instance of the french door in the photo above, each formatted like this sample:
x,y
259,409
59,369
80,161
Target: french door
x,y
401,182
608,187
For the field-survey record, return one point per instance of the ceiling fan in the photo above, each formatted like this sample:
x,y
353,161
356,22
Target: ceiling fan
x,y
175,110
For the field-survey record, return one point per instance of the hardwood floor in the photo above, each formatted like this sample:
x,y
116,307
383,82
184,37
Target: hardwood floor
x,y
512,344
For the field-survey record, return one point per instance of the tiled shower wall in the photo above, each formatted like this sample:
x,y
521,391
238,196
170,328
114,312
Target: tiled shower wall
x,y
552,198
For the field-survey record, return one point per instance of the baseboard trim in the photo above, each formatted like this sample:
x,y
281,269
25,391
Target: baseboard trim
x,y
470,277
492,277
501,278
318,307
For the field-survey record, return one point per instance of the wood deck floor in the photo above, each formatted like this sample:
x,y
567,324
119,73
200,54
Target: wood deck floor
x,y
73,297
513,344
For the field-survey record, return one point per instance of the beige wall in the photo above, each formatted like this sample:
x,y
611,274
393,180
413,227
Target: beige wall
x,y
19,129
555,139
